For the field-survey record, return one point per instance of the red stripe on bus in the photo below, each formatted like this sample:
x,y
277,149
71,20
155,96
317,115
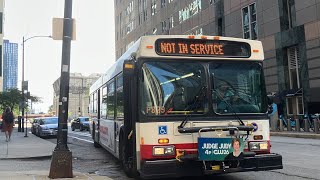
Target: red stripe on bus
x,y
146,151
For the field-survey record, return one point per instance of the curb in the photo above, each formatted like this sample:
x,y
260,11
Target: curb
x,y
296,135
28,158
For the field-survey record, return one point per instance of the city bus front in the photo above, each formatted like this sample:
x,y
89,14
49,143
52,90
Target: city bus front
x,y
202,116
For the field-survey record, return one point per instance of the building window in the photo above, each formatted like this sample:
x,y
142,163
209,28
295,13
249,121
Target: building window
x,y
294,66
163,26
154,31
249,22
190,10
129,27
129,9
170,1
219,26
198,31
288,14
289,7
171,22
1,21
295,103
153,7
163,3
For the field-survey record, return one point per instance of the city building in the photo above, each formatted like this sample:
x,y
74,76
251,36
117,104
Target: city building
x,y
10,65
1,43
78,94
288,29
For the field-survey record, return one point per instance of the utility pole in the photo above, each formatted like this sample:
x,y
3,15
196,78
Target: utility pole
x,y
24,84
61,161
22,88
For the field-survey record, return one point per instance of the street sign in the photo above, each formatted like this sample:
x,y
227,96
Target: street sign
x,y
57,29
25,85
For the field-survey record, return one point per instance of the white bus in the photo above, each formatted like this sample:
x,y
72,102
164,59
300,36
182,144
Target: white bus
x,y
179,105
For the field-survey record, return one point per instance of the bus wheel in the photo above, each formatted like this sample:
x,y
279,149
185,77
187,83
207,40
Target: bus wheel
x,y
126,162
95,143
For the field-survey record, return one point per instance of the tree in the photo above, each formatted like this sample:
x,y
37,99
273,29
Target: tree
x,y
12,98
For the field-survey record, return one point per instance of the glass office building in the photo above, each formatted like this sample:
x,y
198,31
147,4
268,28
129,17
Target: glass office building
x,y
10,65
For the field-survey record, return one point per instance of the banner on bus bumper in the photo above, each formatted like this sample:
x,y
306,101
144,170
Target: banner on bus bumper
x,y
220,149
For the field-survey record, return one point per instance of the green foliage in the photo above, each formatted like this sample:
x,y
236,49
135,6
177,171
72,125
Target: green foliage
x,y
13,98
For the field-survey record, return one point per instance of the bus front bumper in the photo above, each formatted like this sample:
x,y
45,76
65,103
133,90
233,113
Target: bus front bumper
x,y
174,168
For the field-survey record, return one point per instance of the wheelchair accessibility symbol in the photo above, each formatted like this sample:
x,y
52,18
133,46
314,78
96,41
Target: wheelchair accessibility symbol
x,y
162,130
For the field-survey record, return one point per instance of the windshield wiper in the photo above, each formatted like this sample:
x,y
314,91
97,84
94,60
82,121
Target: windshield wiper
x,y
201,92
228,104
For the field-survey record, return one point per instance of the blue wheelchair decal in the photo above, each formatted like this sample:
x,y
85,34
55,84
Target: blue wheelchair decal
x,y
162,130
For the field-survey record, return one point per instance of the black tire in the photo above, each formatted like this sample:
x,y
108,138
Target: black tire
x,y
125,161
95,143
72,128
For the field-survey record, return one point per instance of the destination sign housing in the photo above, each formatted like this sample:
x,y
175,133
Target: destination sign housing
x,y
202,47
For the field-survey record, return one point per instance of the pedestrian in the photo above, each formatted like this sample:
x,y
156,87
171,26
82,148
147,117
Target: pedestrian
x,y
7,123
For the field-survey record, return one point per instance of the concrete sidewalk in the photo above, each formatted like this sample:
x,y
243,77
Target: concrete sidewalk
x,y
21,147
31,147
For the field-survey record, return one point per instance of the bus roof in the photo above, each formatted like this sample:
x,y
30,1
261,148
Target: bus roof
x,y
149,47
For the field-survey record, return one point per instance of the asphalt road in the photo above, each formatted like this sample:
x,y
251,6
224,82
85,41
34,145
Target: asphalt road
x,y
300,158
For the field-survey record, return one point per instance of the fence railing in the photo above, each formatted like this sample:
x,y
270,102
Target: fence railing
x,y
307,124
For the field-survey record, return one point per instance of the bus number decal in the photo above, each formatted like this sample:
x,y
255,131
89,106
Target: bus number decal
x,y
155,109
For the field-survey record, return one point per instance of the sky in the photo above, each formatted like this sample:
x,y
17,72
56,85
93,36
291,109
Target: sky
x,y
92,52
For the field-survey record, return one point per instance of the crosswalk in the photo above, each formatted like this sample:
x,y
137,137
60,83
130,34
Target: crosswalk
x,y
79,133
83,136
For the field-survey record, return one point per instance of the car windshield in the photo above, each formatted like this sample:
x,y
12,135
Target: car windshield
x,y
50,121
84,119
238,87
173,88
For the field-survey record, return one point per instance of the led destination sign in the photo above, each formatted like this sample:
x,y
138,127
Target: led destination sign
x,y
202,47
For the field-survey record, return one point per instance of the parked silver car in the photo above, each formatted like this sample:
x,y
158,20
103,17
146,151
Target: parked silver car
x,y
48,126
34,125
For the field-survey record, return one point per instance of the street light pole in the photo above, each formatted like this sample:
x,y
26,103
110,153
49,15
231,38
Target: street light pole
x,y
23,83
22,87
61,161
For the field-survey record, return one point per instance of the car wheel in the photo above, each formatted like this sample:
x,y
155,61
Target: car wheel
x,y
72,128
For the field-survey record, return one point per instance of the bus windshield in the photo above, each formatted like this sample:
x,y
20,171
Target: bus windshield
x,y
238,87
173,88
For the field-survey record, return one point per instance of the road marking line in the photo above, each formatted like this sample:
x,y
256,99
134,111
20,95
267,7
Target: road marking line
x,y
81,134
80,139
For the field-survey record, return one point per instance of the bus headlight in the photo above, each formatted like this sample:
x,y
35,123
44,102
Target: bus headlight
x,y
163,150
258,146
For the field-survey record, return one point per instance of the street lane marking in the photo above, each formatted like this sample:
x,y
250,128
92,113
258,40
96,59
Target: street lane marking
x,y
81,139
81,134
